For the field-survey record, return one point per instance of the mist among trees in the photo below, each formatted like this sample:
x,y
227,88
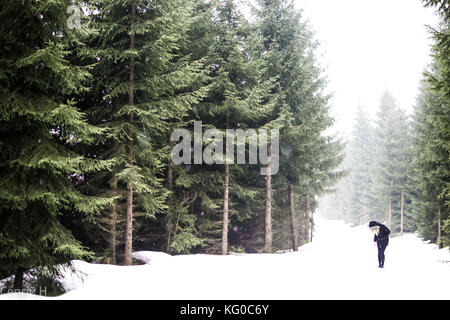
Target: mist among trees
x,y
86,117
398,164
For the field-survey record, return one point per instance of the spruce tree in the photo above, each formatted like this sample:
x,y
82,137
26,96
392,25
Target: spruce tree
x,y
430,165
144,84
40,129
391,173
361,153
379,164
435,125
238,97
301,114
276,24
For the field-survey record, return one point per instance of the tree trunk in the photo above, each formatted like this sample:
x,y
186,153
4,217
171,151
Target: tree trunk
x,y
225,210
169,174
18,280
268,213
402,213
307,220
129,220
439,235
169,234
390,215
170,186
113,224
226,197
226,193
129,228
293,220
112,239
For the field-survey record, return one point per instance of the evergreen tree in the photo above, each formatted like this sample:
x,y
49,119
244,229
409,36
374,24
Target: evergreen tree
x,y
430,165
379,163
362,154
434,124
302,116
276,26
40,129
404,175
180,218
238,98
391,163
144,85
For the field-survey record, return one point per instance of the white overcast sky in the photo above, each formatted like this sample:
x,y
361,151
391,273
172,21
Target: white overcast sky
x,y
367,46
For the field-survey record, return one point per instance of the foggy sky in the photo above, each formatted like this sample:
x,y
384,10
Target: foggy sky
x,y
367,46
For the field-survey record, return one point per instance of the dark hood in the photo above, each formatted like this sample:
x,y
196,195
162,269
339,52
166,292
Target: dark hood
x,y
374,224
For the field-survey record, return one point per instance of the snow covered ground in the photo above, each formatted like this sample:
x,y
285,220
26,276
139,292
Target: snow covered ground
x,y
341,263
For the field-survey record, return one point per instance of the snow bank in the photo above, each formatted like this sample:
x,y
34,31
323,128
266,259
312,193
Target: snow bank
x,y
151,256
341,263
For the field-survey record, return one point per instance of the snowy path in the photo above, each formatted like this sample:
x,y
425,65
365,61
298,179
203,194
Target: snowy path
x,y
341,263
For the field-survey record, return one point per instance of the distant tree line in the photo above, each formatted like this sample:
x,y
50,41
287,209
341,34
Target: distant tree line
x,y
379,163
399,166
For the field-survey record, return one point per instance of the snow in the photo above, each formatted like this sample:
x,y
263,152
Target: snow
x,y
341,263
151,256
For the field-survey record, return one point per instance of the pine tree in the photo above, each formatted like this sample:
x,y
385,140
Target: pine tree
x,y
237,99
392,164
180,218
435,125
144,85
301,115
379,164
404,174
384,180
362,155
40,129
276,25
430,165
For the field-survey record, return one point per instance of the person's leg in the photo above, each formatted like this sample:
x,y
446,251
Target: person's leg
x,y
380,254
383,249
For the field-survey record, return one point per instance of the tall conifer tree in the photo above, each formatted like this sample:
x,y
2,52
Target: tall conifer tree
x,y
40,128
144,84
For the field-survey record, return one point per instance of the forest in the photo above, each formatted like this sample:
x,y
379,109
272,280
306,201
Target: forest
x,y
398,165
91,92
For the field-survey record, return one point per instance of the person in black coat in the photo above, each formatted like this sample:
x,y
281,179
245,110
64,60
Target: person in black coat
x,y
381,238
